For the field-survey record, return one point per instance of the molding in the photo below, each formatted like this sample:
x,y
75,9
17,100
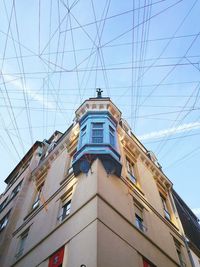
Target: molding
x,y
65,143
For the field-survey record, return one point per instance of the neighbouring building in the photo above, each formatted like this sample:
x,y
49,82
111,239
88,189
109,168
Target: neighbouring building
x,y
92,196
191,228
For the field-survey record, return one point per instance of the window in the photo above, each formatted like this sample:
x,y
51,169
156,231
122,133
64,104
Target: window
x,y
22,243
50,148
130,171
37,198
70,169
179,252
139,219
83,137
3,204
112,136
147,263
66,209
4,221
65,205
16,190
25,165
165,207
97,133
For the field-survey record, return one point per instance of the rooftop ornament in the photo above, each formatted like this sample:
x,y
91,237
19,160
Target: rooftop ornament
x,y
99,91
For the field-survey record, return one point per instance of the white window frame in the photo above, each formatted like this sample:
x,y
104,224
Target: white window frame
x,y
101,129
165,207
4,221
131,173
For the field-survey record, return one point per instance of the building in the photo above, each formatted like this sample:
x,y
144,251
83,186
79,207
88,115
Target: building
x,y
91,197
191,228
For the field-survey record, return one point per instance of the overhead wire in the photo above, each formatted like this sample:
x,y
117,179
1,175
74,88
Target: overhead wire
x,y
9,107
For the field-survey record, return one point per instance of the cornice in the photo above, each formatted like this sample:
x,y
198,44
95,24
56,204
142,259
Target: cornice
x,y
131,145
98,105
68,142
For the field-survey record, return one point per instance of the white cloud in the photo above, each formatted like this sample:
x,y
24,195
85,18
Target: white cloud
x,y
27,90
175,130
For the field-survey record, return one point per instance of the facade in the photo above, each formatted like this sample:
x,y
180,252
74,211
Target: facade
x,y
91,197
191,228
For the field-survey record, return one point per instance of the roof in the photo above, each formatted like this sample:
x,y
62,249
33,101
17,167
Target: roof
x,y
189,221
24,159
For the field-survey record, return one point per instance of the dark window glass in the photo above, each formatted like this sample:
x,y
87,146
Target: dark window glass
x,y
165,208
83,136
3,204
36,201
15,190
112,136
130,170
66,210
179,253
4,221
139,222
97,133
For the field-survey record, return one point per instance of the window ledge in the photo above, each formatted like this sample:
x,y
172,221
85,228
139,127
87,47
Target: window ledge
x,y
19,254
9,201
31,212
171,223
67,177
134,186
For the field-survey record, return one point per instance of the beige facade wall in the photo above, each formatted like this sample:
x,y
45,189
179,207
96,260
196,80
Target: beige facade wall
x,y
100,230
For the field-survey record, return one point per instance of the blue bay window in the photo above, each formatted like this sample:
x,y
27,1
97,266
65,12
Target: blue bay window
x,y
97,139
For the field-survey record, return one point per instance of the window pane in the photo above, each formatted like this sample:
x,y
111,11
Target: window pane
x,y
97,133
165,207
97,125
84,129
111,130
131,172
112,136
3,204
66,209
132,178
97,140
112,139
37,197
139,222
83,139
22,242
4,221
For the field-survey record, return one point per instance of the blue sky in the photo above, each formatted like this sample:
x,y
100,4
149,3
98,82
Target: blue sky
x,y
143,54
